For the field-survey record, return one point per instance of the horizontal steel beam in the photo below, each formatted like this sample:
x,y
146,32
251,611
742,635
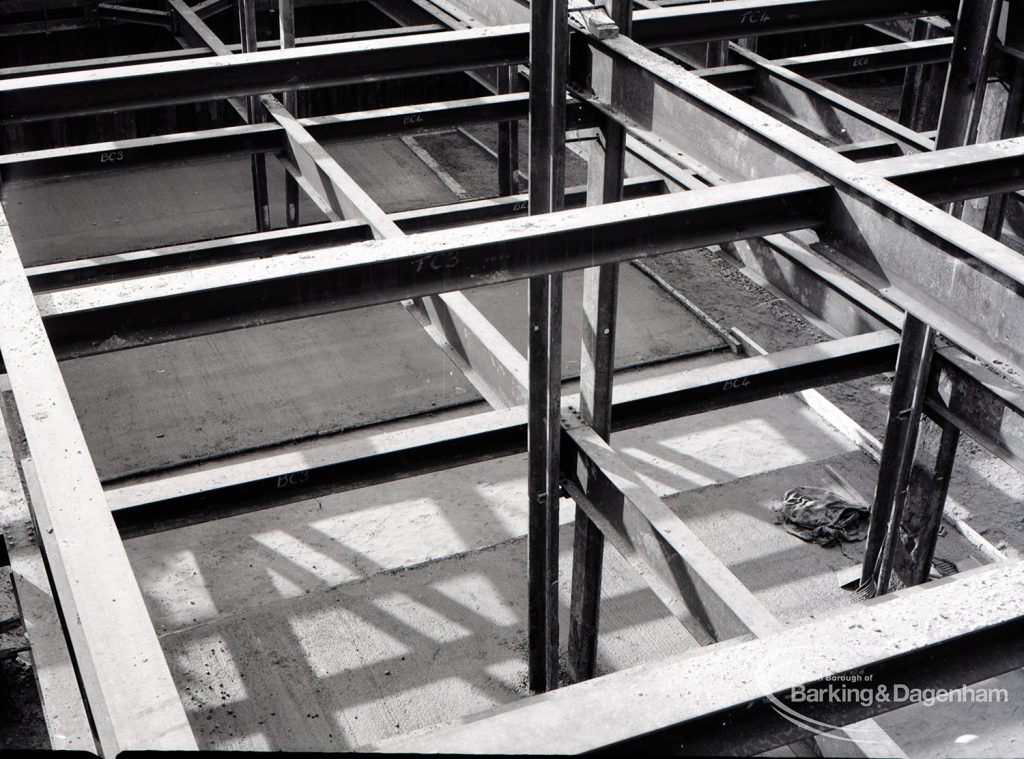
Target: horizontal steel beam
x,y
910,639
295,240
732,19
268,137
741,77
963,283
221,297
163,56
362,458
177,304
45,27
300,68
132,15
149,84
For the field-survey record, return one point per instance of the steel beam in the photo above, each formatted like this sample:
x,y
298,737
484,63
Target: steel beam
x,y
300,68
912,481
241,140
60,697
606,167
923,85
983,405
905,407
386,271
361,458
225,296
692,582
1013,115
912,252
549,56
309,237
823,111
107,620
131,15
968,68
191,80
910,639
732,19
286,26
254,113
202,51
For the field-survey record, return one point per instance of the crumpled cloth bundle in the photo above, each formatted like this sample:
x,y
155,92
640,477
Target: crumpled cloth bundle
x,y
820,516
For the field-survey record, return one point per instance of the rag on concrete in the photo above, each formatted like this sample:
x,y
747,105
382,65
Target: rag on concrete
x,y
818,515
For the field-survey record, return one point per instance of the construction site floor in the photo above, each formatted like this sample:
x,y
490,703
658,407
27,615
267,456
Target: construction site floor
x,y
341,620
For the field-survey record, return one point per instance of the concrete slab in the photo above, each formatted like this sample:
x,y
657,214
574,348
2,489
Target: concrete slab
x,y
160,405
794,579
193,574
651,325
287,628
400,651
95,214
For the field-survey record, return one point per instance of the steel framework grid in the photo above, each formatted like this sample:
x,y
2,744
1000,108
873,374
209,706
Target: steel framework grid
x,y
857,208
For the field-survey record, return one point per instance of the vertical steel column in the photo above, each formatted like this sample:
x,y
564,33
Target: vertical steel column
x,y
717,54
968,67
549,43
958,125
923,85
995,214
929,483
247,33
286,16
605,176
508,136
908,389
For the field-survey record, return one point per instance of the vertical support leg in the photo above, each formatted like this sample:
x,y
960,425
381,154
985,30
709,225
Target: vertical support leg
x,y
286,14
886,549
929,483
923,85
549,40
908,389
995,214
247,27
968,67
606,173
508,137
718,53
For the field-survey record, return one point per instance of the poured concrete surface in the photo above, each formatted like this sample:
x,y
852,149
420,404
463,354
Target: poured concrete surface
x,y
346,619
396,652
736,520
156,406
95,214
342,620
163,405
650,325
287,628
